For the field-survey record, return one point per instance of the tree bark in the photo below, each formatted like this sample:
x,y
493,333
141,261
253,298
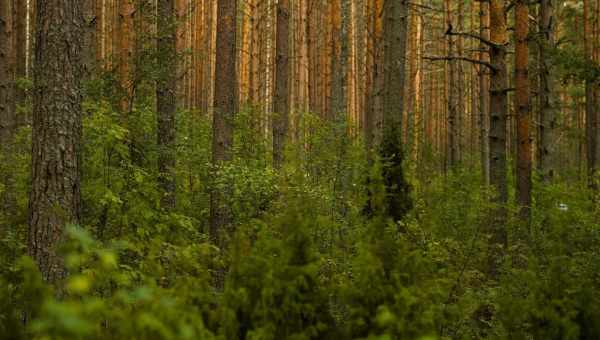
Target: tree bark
x,y
55,189
7,74
225,106
591,111
524,162
547,96
453,124
126,12
484,88
394,39
497,137
282,83
166,88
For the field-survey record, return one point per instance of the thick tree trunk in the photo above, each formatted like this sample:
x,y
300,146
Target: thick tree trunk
x,y
282,83
55,188
225,106
524,162
394,39
166,88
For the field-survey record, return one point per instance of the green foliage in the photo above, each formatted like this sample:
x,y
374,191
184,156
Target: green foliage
x,y
306,261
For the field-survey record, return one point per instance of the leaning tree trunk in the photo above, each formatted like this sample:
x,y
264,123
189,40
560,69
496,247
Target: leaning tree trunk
x,y
55,188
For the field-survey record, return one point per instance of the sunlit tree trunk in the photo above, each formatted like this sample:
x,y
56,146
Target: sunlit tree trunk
x,y
522,106
225,107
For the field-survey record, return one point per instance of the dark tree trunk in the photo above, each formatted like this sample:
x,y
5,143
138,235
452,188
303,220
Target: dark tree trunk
x,y
7,74
498,114
282,99
55,189
591,110
394,39
166,87
547,96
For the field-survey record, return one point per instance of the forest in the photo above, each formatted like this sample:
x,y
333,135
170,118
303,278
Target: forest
x,y
299,169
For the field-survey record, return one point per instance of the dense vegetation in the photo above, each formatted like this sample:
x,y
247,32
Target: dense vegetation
x,y
344,235
305,261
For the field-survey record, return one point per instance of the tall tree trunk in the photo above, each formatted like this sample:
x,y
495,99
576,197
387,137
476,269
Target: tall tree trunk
x,y
497,137
339,61
546,92
166,88
126,12
20,38
225,106
591,111
7,74
282,83
484,98
89,31
453,124
394,39
522,106
55,188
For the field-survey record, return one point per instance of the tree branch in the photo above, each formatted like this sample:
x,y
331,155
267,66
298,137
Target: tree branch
x,y
470,60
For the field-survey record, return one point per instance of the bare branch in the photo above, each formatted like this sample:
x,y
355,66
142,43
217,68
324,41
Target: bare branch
x,y
467,59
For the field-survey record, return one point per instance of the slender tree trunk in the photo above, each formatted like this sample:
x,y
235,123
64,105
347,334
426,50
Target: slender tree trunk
x,y
126,12
225,106
484,88
20,38
591,111
166,88
55,188
339,62
282,83
453,124
7,74
524,162
497,138
546,92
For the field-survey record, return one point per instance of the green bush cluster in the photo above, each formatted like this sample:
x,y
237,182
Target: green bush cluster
x,y
306,260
